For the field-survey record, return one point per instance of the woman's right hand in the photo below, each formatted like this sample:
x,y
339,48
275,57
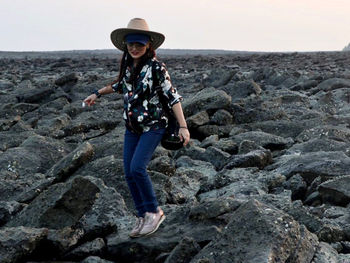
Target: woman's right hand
x,y
90,100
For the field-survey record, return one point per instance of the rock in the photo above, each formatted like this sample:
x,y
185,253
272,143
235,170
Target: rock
x,y
70,163
325,254
318,144
70,78
83,204
206,99
212,208
242,89
297,185
257,158
311,165
331,84
336,191
198,119
94,259
266,140
184,251
168,236
17,243
222,117
94,248
325,132
275,238
163,164
8,209
24,166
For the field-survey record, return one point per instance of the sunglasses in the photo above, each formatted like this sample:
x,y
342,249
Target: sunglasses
x,y
136,45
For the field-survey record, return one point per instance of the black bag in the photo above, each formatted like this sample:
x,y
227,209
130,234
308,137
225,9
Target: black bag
x,y
171,139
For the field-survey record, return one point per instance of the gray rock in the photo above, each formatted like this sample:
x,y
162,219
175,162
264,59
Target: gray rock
x,y
325,254
238,243
257,158
336,191
222,117
325,132
93,248
297,185
242,89
70,163
19,242
331,84
94,259
311,165
84,204
206,99
184,251
198,119
266,140
318,144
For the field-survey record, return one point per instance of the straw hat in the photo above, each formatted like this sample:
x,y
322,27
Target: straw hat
x,y
138,26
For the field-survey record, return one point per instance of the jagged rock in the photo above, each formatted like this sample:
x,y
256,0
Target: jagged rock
x,y
311,165
17,243
94,248
84,204
318,144
8,209
325,132
94,259
148,248
221,117
212,208
297,185
185,250
70,163
242,89
266,140
331,84
257,158
206,99
325,254
23,167
70,78
198,119
336,191
277,238
163,164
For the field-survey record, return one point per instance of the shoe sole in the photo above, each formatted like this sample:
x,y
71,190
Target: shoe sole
x,y
157,226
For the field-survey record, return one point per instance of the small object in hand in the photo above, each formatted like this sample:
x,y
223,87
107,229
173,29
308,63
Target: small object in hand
x,y
83,104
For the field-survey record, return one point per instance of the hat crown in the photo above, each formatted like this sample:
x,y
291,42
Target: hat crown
x,y
138,23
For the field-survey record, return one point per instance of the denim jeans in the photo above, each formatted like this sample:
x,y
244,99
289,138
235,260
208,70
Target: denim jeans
x,y
138,151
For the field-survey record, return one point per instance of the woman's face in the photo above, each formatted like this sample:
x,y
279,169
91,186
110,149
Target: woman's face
x,y
137,50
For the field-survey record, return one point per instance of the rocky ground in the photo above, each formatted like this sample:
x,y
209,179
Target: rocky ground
x,y
265,178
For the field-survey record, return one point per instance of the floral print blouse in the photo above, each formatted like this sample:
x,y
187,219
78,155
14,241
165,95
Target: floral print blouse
x,y
142,108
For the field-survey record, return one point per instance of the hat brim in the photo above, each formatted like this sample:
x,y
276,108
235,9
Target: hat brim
x,y
118,36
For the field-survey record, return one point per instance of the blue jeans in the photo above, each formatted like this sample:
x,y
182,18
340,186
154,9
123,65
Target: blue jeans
x,y
138,151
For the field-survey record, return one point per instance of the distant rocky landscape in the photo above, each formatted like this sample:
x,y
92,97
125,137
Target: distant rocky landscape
x,y
265,178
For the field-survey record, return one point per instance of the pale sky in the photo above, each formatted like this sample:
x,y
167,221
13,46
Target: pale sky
x,y
246,25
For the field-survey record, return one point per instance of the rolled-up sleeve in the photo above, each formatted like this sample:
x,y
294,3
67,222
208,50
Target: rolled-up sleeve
x,y
117,88
168,90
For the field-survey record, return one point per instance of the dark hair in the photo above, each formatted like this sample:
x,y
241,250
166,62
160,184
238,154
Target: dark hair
x,y
127,60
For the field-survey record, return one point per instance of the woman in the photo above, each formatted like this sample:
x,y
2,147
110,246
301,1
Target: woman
x,y
140,75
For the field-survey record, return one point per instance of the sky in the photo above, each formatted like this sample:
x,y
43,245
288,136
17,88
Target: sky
x,y
245,25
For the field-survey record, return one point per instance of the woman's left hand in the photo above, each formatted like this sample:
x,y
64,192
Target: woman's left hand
x,y
184,135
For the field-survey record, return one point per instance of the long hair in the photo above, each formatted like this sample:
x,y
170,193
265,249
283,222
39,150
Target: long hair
x,y
127,60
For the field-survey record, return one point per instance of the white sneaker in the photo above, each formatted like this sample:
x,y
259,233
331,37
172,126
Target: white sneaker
x,y
135,232
152,222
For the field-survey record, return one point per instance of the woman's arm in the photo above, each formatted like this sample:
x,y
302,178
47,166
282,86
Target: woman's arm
x,y
179,115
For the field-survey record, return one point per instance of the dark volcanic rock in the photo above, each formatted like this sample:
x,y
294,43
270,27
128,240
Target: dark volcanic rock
x,y
276,238
271,127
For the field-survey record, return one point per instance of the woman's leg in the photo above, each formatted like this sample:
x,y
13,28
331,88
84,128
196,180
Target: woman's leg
x,y
142,155
130,142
